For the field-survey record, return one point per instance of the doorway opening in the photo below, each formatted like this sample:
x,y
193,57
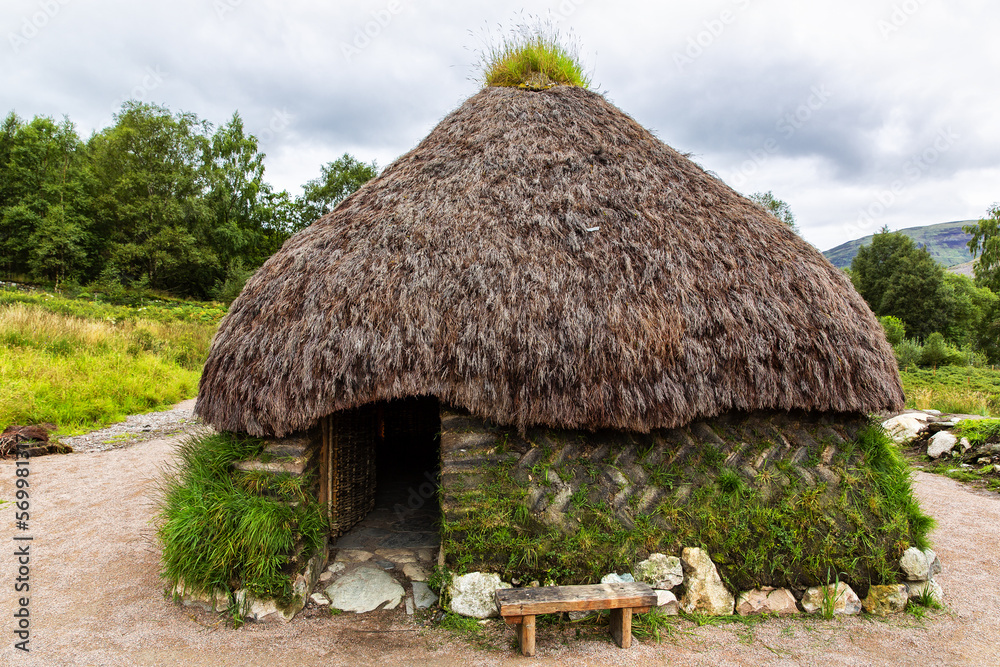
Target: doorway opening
x,y
403,521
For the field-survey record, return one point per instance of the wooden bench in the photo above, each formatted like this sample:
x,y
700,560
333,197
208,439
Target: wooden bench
x,y
519,606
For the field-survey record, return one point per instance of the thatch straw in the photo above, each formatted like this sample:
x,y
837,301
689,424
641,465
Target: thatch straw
x,y
541,259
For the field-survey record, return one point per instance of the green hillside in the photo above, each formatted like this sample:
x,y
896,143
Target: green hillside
x,y
945,241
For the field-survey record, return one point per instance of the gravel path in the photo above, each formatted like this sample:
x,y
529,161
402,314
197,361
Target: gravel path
x,y
136,428
96,598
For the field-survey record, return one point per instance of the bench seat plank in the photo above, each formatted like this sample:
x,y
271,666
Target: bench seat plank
x,y
553,599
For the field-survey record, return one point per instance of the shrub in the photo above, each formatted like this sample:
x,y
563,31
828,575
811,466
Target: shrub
x,y
938,353
895,330
908,353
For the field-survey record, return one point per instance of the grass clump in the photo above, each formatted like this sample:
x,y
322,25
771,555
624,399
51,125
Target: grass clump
x,y
533,57
222,532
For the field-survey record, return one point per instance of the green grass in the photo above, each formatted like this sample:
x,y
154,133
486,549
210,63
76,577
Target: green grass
x,y
533,57
83,364
952,389
221,533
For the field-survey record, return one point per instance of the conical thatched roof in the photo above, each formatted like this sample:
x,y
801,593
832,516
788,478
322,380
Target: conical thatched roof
x,y
542,259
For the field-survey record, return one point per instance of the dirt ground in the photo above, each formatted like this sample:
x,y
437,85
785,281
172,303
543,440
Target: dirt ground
x,y
96,598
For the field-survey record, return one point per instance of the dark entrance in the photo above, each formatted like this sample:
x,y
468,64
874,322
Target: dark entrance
x,y
404,506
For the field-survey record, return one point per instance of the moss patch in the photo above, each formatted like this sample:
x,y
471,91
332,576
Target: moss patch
x,y
776,500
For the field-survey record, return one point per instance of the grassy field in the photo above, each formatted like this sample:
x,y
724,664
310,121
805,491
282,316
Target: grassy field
x,y
81,363
974,391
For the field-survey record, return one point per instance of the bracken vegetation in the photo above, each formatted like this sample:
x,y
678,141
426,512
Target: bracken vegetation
x,y
81,364
225,532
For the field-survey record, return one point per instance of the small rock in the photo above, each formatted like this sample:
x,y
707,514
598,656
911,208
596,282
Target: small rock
x,y
398,556
473,594
409,605
965,444
660,571
424,596
766,601
353,555
666,603
845,600
915,564
705,591
326,576
385,564
580,615
904,428
917,588
933,563
320,599
364,590
336,567
414,572
885,600
941,444
615,578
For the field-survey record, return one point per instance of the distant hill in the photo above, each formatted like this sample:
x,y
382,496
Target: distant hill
x,y
945,241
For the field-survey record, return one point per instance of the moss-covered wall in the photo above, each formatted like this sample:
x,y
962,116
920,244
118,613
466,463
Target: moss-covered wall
x,y
777,499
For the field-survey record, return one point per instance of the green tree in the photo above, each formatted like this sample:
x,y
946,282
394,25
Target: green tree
x,y
895,330
916,294
44,207
149,179
985,243
873,266
337,181
776,207
897,278
967,307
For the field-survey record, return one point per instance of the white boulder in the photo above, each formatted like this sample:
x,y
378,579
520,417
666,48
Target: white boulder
x,y
473,594
844,599
941,444
705,593
365,589
906,427
660,571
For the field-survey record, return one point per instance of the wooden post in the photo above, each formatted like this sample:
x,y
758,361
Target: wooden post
x,y
324,468
621,626
526,635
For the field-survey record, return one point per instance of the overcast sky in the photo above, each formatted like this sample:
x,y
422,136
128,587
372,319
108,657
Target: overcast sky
x,y
858,113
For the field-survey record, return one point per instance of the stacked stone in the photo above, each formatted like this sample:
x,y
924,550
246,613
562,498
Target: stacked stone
x,y
705,593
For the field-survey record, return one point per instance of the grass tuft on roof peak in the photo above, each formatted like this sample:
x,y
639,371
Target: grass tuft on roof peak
x,y
533,57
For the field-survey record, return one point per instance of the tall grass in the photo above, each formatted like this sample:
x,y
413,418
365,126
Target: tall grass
x,y
81,373
533,56
221,533
974,391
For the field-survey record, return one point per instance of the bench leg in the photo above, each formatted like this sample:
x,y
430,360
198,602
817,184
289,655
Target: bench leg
x,y
526,635
621,626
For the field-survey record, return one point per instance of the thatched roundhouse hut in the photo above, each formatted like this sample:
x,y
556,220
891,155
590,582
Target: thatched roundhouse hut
x,y
540,261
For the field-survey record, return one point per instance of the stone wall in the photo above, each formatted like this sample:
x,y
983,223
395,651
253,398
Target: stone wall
x,y
794,488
